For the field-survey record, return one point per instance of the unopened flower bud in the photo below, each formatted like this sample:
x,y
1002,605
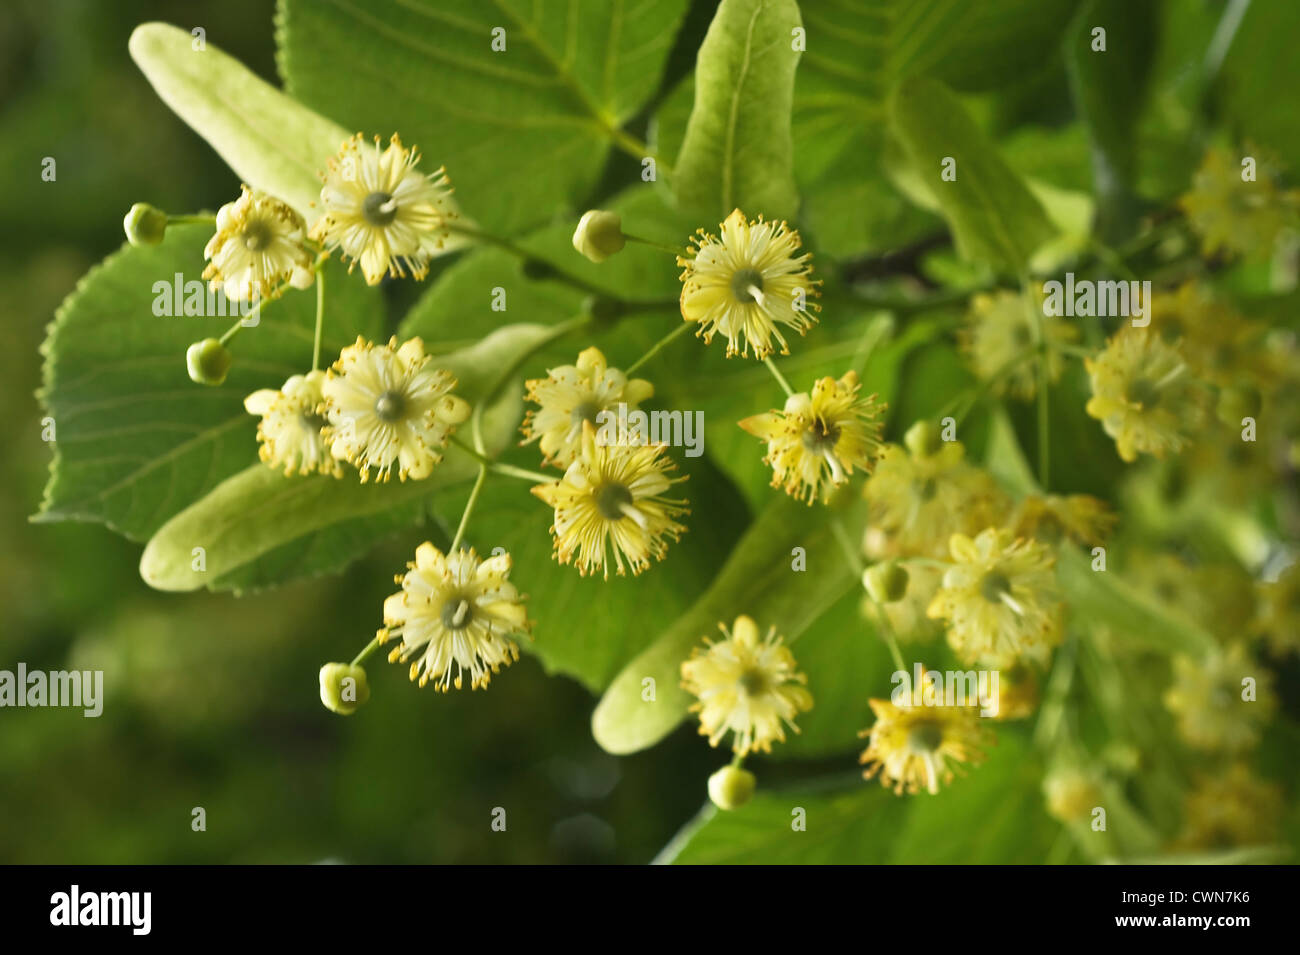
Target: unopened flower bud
x,y
1237,402
144,224
1071,794
343,687
208,362
886,581
923,439
731,787
302,278
599,235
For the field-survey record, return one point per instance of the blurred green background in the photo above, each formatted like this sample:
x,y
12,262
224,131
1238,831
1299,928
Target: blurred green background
x,y
212,701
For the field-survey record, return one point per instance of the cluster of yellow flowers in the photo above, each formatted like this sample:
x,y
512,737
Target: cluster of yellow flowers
x,y
960,553
948,550
378,408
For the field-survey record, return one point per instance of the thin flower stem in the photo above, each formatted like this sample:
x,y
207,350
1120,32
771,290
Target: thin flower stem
x,y
738,760
1044,429
780,380
519,252
870,339
1044,422
260,307
509,470
231,332
858,565
659,346
965,402
369,648
891,641
523,474
557,332
675,250
197,218
320,316
1052,712
469,508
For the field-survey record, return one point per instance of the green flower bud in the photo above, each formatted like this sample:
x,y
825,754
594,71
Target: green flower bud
x,y
731,787
1071,794
1237,402
599,235
343,688
144,224
886,581
208,362
923,439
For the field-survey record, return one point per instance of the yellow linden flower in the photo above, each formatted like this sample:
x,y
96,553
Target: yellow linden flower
x,y
1209,698
1219,345
289,434
919,747
999,598
920,496
454,611
745,685
257,248
1143,393
1232,215
386,408
1018,692
814,444
748,283
1231,809
1001,340
572,394
1071,794
383,212
906,617
1052,517
612,497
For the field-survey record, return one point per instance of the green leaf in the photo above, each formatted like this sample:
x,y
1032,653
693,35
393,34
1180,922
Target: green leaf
x,y
270,140
851,823
1006,460
137,440
1104,597
847,664
994,813
1259,65
259,512
993,215
856,53
523,131
758,579
259,527
459,303
737,151
1108,87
